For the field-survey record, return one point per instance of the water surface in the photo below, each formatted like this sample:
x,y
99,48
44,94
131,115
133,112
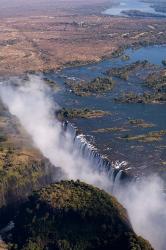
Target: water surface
x,y
141,157
126,5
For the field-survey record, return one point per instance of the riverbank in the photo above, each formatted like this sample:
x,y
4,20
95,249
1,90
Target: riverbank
x,y
40,43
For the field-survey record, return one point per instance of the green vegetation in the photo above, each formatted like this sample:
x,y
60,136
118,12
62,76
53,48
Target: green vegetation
x,y
80,113
149,137
22,167
21,171
73,215
157,81
77,63
125,71
118,52
153,77
97,86
144,98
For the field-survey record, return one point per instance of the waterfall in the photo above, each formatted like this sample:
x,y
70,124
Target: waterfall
x,y
117,182
90,153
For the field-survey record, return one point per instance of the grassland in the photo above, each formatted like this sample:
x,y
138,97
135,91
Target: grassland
x,y
45,37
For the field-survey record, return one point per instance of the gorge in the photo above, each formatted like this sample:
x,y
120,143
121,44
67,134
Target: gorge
x,y
79,160
82,125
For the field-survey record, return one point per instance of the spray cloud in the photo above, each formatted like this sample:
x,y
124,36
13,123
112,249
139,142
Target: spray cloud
x,y
32,105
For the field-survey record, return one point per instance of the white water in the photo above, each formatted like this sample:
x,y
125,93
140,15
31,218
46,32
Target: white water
x,y
31,103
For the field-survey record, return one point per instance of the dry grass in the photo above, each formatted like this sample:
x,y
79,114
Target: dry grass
x,y
42,42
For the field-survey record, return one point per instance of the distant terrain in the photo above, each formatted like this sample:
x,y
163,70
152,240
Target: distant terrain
x,y
104,88
36,36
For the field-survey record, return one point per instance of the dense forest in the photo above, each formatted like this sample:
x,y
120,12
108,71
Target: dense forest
x,y
73,215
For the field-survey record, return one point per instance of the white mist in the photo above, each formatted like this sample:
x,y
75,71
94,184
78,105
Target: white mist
x,y
32,105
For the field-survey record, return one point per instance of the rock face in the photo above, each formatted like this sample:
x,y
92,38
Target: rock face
x,y
22,167
73,215
18,182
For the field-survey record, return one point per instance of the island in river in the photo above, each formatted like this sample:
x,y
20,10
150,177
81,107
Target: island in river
x,y
80,45
141,123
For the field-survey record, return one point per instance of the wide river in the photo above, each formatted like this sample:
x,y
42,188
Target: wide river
x,y
141,157
126,5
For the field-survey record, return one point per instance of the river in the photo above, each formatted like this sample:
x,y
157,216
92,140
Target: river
x,y
142,158
128,5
